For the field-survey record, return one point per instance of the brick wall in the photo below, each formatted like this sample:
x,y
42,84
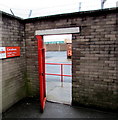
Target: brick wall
x,y
55,47
0,67
94,58
13,69
94,61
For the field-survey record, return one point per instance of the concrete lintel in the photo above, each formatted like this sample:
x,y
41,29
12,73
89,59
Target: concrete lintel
x,y
58,31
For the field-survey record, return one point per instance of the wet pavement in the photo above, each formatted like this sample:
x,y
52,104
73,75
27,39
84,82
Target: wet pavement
x,y
57,57
55,91
29,108
60,93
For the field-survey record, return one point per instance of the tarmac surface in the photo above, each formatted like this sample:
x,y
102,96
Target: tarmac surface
x,y
58,57
55,90
29,108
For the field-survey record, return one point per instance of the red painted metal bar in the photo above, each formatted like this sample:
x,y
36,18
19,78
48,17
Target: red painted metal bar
x,y
61,69
58,74
41,70
44,79
62,75
57,64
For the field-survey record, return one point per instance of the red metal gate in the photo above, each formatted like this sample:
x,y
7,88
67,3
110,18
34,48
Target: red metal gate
x,y
61,71
41,71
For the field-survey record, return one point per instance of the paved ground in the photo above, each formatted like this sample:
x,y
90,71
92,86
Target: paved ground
x,y
29,108
57,57
55,92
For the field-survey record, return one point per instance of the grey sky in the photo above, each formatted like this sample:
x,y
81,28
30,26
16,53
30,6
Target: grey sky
x,y
57,37
48,7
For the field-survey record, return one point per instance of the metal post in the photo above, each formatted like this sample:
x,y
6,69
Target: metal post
x,y
30,13
102,3
41,72
61,75
80,6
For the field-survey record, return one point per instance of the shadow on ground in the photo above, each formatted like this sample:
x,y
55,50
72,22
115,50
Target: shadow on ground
x,y
29,108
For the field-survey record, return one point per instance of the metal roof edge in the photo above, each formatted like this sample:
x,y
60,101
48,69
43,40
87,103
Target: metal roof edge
x,y
11,16
82,13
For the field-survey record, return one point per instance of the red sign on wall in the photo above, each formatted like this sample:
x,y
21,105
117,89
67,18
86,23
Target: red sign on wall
x,y
12,51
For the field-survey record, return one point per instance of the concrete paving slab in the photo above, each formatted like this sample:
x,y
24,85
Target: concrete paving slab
x,y
57,93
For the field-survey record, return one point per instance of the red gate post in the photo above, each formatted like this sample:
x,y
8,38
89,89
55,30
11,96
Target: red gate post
x,y
41,71
61,75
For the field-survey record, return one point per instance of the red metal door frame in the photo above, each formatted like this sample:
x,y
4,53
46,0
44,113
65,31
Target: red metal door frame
x,y
41,71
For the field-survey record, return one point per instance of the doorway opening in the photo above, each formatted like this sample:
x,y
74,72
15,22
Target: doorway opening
x,y
41,59
58,68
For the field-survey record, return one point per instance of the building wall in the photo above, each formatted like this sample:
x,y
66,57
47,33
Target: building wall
x,y
94,81
0,67
94,60
13,69
55,47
